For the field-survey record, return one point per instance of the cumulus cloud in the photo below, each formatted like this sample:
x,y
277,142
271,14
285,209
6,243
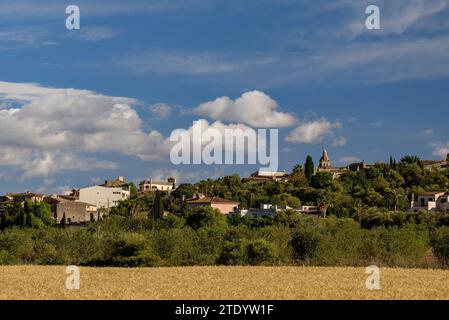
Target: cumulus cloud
x,y
50,130
313,132
254,108
162,110
340,142
220,127
441,149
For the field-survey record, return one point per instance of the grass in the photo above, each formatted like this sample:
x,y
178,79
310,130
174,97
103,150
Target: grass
x,y
48,282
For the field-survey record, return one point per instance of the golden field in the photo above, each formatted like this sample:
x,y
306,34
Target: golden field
x,y
48,282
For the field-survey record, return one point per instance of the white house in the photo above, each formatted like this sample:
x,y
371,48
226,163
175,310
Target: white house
x,y
437,201
101,197
153,185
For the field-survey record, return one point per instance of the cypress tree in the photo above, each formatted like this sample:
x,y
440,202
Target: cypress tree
x,y
158,206
63,221
309,168
28,220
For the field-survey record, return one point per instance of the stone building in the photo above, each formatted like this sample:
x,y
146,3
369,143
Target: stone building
x,y
325,166
74,211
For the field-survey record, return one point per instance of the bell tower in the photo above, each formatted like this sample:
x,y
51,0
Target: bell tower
x,y
325,162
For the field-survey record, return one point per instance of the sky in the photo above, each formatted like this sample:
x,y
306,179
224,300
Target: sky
x,y
78,107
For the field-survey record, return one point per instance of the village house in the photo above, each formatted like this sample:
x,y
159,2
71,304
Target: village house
x,y
263,175
101,197
153,185
74,211
117,183
9,199
268,210
431,201
225,206
433,165
27,195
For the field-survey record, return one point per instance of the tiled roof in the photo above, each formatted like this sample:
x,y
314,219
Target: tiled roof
x,y
210,200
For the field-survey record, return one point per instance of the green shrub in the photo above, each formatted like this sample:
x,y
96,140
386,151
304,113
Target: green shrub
x,y
233,253
440,245
260,252
6,258
395,246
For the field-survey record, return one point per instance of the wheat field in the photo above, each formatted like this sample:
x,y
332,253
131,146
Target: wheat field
x,y
48,282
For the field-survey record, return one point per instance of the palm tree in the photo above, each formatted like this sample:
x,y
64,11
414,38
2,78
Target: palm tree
x,y
359,207
324,201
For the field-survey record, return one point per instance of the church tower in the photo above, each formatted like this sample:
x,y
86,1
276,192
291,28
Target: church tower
x,y
325,162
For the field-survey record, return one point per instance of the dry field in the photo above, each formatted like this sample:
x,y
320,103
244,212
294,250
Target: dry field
x,y
41,282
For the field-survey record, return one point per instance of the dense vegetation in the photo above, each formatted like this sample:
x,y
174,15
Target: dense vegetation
x,y
205,237
366,222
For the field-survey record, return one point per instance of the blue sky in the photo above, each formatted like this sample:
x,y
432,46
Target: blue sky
x,y
77,107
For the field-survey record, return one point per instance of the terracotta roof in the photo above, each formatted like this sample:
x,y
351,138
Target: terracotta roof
x,y
210,200
430,193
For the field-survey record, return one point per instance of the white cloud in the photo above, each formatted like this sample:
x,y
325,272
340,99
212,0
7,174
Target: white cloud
x,y
441,149
221,127
349,159
27,37
162,110
340,142
313,131
397,16
93,33
191,63
427,132
254,108
55,130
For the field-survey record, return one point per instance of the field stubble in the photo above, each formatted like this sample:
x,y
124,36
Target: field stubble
x,y
48,282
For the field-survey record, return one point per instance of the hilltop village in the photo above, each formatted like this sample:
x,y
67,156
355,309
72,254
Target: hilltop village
x,y
92,203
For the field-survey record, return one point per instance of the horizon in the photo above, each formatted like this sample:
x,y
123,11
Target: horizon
x,y
160,178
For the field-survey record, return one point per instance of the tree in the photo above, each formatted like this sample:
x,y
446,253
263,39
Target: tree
x,y
322,180
358,207
157,211
412,160
447,157
184,191
309,168
134,192
324,201
26,222
63,221
204,216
